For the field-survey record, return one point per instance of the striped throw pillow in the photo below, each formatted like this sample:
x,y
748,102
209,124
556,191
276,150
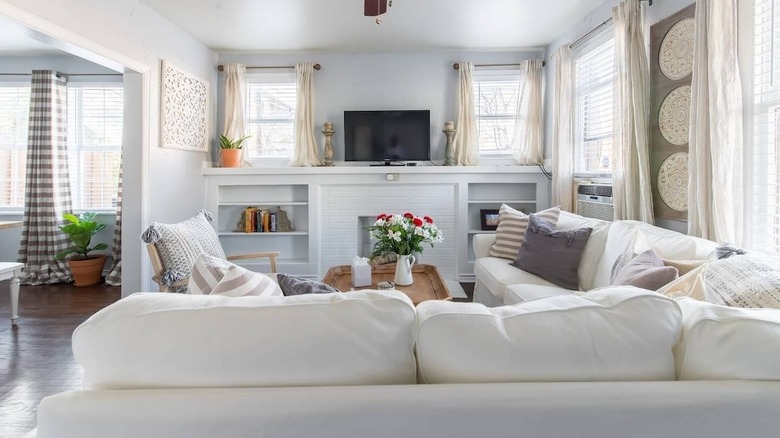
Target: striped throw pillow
x,y
510,232
214,276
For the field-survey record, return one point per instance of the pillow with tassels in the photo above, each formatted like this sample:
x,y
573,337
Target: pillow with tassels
x,y
179,246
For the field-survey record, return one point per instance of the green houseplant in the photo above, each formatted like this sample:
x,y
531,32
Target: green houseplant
x,y
85,268
231,150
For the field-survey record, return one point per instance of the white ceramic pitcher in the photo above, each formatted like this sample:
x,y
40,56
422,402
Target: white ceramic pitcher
x,y
403,270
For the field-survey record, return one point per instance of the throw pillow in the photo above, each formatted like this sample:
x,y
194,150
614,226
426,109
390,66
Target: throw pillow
x,y
180,244
292,285
510,231
215,276
646,271
552,255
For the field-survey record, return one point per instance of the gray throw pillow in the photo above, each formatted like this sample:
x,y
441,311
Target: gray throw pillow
x,y
647,271
552,255
292,285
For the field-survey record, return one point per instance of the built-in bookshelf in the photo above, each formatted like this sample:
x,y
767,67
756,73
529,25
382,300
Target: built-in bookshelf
x,y
325,206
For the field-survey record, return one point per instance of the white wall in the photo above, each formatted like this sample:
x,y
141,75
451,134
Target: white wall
x,y
382,81
660,10
166,184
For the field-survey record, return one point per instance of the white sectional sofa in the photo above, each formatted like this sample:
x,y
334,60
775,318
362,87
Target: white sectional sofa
x,y
499,283
370,364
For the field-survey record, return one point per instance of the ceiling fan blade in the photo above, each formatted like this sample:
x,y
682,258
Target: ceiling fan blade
x,y
372,8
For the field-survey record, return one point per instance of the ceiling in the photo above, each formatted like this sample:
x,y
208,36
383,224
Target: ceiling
x,y
339,25
16,40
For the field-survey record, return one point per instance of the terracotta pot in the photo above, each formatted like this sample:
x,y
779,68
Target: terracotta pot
x,y
87,272
231,157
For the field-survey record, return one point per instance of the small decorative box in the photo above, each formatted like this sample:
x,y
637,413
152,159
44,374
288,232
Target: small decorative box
x,y
361,275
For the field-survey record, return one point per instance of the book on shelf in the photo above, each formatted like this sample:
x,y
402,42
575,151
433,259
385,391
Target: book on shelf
x,y
273,222
250,220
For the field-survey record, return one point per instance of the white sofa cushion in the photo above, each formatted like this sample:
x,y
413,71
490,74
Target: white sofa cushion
x,y
518,293
593,249
153,340
726,343
613,334
496,274
672,245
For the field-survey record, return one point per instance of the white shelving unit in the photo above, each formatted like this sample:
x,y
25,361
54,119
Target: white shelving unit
x,y
325,204
489,196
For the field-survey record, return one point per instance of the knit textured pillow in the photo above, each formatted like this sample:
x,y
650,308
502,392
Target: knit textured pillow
x,y
180,244
510,232
214,276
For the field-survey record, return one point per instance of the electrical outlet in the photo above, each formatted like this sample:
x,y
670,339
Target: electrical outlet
x,y
393,176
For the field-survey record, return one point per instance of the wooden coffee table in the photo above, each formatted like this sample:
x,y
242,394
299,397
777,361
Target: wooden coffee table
x,y
428,284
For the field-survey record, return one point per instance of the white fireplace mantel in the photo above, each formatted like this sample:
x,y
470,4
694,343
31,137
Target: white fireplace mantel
x,y
326,204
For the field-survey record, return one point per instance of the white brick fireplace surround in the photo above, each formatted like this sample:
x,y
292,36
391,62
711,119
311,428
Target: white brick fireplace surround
x,y
325,207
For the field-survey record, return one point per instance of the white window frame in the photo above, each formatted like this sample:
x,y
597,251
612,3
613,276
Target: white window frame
x,y
288,77
485,75
77,174
17,209
587,47
762,129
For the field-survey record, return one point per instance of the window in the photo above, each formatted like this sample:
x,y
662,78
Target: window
x,y
14,104
270,113
594,63
495,105
94,145
765,184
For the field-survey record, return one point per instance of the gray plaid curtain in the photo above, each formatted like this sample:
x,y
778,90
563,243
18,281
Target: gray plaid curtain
x,y
114,278
47,188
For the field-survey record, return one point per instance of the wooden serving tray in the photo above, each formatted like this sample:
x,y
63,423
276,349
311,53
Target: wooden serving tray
x,y
428,284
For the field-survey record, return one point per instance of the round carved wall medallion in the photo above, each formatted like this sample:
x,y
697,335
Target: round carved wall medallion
x,y
673,181
674,114
676,54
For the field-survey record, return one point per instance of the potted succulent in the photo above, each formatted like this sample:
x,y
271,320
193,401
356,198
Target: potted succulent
x,y
231,150
86,269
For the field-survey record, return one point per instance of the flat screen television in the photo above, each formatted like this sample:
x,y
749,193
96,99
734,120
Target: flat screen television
x,y
387,135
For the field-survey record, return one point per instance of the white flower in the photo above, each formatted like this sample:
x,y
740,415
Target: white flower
x,y
379,223
420,232
393,235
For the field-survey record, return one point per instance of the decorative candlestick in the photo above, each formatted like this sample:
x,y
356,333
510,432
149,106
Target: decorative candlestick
x,y
328,131
449,153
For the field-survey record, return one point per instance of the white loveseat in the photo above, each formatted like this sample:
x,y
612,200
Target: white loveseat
x,y
499,283
370,364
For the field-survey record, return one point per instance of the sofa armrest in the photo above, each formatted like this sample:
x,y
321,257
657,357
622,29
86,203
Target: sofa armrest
x,y
482,244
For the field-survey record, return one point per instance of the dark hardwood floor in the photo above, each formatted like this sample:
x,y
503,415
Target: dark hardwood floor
x,y
35,357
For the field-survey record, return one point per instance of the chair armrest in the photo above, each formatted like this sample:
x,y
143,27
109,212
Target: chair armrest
x,y
482,244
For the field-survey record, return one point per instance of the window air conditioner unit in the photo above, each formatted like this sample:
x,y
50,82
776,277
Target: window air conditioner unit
x,y
595,200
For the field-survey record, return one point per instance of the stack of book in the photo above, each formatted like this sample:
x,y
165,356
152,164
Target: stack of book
x,y
257,220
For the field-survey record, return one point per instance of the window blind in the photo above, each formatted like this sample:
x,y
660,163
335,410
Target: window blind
x,y
495,107
765,184
594,72
14,108
95,117
270,113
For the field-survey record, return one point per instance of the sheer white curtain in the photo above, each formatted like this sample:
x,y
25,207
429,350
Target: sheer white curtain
x,y
527,145
563,131
466,142
715,161
633,197
305,152
235,102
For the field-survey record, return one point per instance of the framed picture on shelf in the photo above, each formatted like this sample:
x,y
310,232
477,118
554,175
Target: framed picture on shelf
x,y
488,220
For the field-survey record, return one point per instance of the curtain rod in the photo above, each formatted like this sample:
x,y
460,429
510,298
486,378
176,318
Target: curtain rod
x,y
222,67
66,74
456,66
604,23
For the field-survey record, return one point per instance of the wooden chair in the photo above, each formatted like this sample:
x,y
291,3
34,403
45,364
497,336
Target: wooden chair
x,y
158,268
